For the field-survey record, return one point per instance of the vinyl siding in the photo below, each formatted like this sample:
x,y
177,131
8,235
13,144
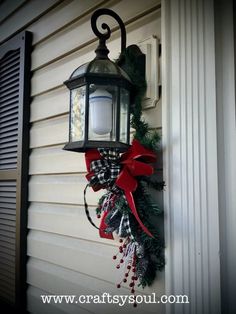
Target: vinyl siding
x,y
66,255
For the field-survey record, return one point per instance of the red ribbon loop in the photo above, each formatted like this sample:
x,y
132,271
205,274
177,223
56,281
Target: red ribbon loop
x,y
91,155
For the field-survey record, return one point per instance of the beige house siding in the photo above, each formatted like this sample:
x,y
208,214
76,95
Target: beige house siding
x,y
66,255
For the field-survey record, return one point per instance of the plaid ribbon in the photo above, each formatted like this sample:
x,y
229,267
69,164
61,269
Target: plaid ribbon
x,y
106,169
125,223
125,231
124,228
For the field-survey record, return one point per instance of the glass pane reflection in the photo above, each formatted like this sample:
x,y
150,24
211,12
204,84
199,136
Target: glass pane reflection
x,y
77,114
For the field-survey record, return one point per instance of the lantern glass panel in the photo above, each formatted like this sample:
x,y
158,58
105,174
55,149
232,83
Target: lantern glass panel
x,y
77,123
124,110
102,112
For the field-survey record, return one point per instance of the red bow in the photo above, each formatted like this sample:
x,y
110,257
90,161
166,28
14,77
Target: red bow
x,y
134,163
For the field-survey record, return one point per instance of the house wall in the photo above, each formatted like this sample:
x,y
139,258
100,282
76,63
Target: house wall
x,y
66,255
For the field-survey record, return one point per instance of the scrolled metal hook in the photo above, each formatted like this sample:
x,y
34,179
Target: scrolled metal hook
x,y
105,36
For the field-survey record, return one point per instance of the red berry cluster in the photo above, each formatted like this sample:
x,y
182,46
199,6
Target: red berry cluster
x,y
131,268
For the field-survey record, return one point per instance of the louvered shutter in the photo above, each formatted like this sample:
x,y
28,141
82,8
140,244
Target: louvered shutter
x,y
14,121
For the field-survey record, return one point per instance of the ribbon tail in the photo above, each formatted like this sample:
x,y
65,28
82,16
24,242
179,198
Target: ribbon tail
x,y
87,210
103,227
130,200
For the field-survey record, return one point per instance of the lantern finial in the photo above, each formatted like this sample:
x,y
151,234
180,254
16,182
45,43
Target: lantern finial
x,y
102,51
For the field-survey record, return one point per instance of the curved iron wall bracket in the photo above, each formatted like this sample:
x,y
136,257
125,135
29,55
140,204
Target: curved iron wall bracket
x,y
102,51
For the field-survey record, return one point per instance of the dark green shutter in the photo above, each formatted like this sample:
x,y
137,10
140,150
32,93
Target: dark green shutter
x,y
14,143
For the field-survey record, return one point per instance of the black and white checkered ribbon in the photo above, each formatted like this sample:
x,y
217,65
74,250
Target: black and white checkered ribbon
x,y
105,169
124,228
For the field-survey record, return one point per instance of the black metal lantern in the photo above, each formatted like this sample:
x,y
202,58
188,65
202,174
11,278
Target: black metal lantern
x,y
100,93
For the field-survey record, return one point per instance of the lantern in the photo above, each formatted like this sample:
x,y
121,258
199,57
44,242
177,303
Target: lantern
x,y
100,93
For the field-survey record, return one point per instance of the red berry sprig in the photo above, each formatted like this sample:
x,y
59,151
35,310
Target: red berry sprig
x,y
131,267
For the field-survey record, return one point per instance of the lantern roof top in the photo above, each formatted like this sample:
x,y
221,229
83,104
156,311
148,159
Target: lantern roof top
x,y
100,66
